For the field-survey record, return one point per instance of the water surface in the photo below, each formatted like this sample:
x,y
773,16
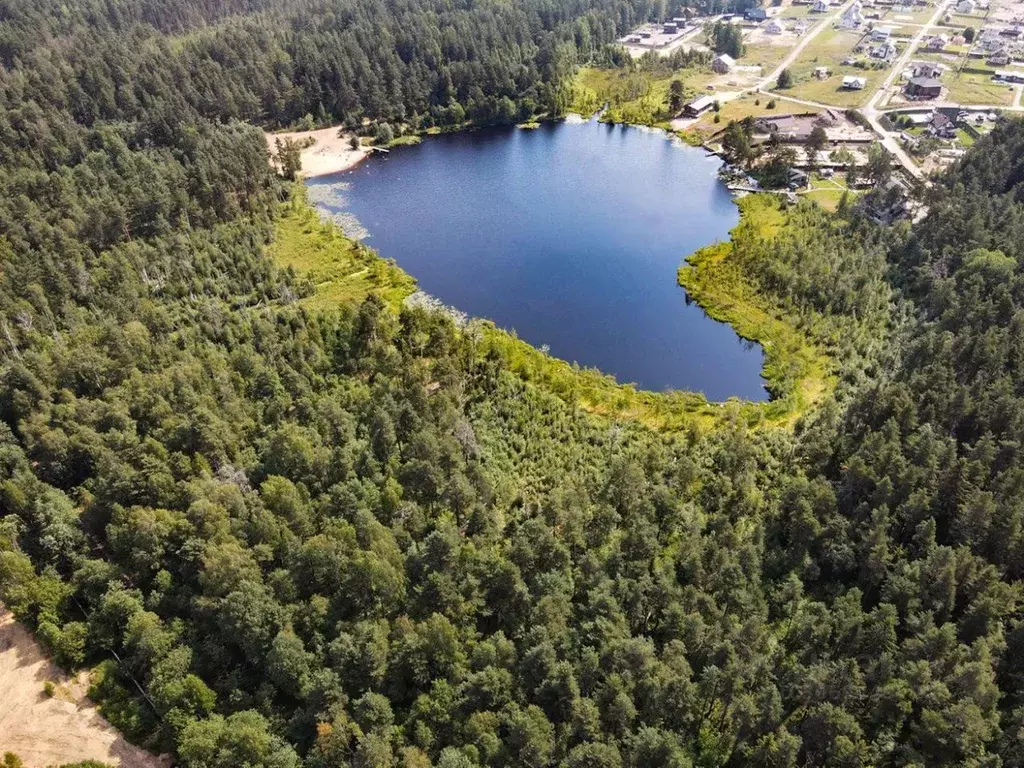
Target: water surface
x,y
569,234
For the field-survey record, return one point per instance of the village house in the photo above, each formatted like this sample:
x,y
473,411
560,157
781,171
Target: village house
x,y
885,52
965,7
723,64
881,33
923,88
698,106
854,83
755,14
925,69
774,27
1008,76
821,73
941,126
800,27
937,42
819,6
989,40
852,17
999,58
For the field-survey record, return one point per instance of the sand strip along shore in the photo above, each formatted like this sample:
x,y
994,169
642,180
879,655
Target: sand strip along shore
x,y
330,153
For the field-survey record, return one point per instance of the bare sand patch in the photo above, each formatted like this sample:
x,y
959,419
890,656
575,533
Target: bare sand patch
x,y
64,728
329,153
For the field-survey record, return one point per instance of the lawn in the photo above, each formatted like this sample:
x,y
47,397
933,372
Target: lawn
x,y
831,91
799,12
916,17
964,138
828,192
765,54
968,88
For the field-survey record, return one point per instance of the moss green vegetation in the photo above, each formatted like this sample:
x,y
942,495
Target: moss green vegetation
x,y
797,370
410,139
637,94
633,96
337,269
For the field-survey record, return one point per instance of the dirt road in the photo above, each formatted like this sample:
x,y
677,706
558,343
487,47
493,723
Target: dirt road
x,y
825,23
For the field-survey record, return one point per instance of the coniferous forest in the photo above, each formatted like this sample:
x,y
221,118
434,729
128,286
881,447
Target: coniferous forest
x,y
350,538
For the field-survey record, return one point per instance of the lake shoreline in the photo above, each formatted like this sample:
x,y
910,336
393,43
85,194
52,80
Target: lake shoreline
x,y
330,152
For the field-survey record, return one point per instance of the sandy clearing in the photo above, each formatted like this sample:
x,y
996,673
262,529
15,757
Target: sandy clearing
x,y
45,731
330,153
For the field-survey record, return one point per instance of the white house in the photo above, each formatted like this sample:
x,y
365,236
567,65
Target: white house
x,y
852,17
885,51
800,27
965,6
774,27
723,64
820,6
881,33
855,83
937,42
821,73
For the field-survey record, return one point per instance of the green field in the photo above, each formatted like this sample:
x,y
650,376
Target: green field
x,y
637,97
828,192
829,49
766,55
970,88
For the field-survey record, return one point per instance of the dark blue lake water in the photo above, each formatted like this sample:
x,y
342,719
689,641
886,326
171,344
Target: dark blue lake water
x,y
570,234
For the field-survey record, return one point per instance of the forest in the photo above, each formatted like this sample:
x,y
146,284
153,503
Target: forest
x,y
289,537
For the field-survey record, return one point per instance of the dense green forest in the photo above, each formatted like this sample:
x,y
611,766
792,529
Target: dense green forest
x,y
275,63
348,537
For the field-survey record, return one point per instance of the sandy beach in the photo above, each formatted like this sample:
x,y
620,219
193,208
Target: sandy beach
x,y
330,154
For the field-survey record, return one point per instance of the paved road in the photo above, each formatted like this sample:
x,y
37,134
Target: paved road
x,y
871,112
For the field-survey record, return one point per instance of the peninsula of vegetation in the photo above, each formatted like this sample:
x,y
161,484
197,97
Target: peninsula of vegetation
x,y
280,517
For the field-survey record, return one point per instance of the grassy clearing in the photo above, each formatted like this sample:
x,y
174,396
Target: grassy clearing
x,y
975,88
765,55
799,12
915,17
831,91
409,140
340,270
829,49
828,192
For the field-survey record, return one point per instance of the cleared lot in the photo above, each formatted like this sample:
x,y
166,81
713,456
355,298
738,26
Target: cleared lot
x,y
45,730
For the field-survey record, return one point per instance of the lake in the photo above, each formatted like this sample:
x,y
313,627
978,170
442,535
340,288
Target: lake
x,y
570,234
